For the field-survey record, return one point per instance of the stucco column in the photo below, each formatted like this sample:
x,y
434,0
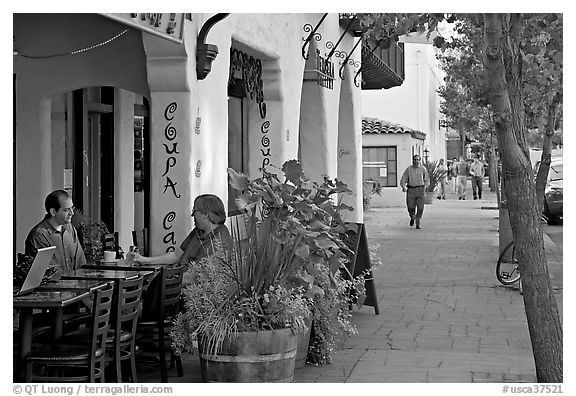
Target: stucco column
x,y
124,166
33,159
171,199
315,143
350,148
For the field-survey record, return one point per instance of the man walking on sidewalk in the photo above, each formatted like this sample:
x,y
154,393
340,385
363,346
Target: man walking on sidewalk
x,y
477,173
414,182
462,171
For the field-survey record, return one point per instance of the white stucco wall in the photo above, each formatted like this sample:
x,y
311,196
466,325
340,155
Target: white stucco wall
x,y
415,103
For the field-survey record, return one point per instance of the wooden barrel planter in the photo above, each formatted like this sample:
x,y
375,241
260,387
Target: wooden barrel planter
x,y
254,356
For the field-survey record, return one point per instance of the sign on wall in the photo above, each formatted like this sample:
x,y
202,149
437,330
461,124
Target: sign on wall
x,y
166,25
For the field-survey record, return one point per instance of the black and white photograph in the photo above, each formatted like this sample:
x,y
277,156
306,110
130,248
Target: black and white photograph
x,y
287,196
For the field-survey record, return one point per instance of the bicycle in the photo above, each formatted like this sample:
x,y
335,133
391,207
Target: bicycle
x,y
507,269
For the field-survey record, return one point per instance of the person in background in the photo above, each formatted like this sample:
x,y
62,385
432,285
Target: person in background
x,y
477,173
454,173
414,181
443,181
209,232
462,171
56,230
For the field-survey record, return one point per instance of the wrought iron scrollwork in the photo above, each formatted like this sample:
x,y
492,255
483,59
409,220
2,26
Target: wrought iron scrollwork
x,y
250,69
356,77
313,34
337,53
340,39
350,61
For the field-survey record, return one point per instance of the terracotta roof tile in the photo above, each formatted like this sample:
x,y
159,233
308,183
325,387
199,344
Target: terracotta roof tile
x,y
375,125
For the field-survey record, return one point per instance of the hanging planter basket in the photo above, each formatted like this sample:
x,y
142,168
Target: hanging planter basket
x,y
253,356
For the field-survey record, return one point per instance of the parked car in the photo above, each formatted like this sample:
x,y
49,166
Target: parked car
x,y
554,193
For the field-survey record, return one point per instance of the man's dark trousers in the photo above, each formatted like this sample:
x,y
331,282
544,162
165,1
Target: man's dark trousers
x,y
415,202
477,186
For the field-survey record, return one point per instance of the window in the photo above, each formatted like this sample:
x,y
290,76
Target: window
x,y
379,164
237,135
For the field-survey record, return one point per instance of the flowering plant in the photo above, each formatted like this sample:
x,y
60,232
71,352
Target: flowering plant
x,y
290,241
216,306
331,315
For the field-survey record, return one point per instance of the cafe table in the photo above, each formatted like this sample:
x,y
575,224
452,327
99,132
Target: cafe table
x,y
148,271
55,301
122,265
74,284
93,273
103,274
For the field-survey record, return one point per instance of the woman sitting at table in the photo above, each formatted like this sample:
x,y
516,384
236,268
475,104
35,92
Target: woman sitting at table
x,y
209,232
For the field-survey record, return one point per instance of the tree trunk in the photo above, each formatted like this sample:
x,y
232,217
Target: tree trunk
x,y
503,66
545,159
493,167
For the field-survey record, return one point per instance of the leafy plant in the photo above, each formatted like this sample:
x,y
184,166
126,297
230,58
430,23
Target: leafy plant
x,y
290,224
293,234
90,233
369,188
435,172
331,317
216,306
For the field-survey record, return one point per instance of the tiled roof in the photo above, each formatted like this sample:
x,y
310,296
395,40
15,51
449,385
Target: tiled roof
x,y
375,125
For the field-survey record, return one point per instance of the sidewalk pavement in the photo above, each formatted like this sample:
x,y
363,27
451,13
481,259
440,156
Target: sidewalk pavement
x,y
444,317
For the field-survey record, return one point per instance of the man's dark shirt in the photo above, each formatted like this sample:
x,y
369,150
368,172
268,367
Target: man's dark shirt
x,y
69,253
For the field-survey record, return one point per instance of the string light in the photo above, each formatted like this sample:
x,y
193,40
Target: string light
x,y
76,52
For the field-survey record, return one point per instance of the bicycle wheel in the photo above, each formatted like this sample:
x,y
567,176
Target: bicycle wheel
x,y
507,270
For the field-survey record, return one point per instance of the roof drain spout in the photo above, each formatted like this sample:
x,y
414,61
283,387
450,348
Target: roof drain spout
x,y
206,53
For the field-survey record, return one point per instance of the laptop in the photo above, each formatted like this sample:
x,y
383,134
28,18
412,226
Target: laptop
x,y
37,270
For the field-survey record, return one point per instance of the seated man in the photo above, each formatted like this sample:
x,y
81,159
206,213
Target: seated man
x,y
56,230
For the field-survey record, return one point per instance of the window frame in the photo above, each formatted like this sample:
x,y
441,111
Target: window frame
x,y
388,161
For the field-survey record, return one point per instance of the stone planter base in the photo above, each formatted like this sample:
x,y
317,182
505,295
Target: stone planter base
x,y
429,197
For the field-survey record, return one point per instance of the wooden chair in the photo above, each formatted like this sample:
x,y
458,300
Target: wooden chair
x,y
156,330
140,240
76,363
120,344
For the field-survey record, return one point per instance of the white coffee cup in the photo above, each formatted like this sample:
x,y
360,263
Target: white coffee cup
x,y
109,255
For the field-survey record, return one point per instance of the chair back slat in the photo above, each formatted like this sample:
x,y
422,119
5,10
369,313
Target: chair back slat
x,y
101,311
129,298
171,287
